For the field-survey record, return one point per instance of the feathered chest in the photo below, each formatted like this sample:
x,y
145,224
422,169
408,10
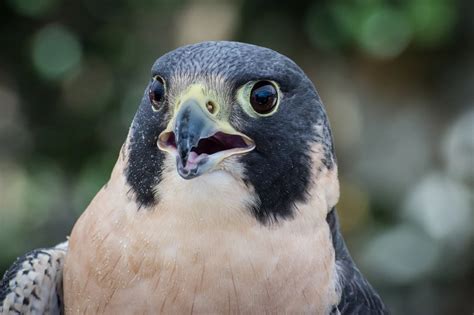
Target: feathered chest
x,y
179,258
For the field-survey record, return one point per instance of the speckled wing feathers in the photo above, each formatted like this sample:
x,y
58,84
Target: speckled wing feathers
x,y
33,284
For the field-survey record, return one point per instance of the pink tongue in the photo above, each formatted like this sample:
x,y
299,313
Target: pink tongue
x,y
192,157
193,160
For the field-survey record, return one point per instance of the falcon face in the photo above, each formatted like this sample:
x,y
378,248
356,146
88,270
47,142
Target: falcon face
x,y
216,110
230,155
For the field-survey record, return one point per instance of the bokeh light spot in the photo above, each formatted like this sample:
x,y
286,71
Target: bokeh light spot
x,y
433,21
385,33
401,255
196,23
441,206
56,51
458,148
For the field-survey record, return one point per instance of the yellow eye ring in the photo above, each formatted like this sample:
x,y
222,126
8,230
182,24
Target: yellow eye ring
x,y
263,97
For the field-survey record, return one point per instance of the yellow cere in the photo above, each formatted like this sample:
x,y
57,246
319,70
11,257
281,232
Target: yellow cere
x,y
203,95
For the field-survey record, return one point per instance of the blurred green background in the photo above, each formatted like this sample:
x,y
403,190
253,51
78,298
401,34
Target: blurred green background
x,y
396,77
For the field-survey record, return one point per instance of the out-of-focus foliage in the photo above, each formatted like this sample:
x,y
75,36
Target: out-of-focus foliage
x,y
396,77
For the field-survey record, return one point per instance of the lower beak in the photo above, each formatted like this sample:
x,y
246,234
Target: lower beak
x,y
199,141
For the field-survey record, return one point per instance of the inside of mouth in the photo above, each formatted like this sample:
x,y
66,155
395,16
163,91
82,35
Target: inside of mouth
x,y
216,143
219,142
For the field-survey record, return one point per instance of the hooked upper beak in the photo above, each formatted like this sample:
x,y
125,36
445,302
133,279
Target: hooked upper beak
x,y
199,141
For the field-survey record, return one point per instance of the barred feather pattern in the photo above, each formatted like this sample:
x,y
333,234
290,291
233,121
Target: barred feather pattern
x,y
33,284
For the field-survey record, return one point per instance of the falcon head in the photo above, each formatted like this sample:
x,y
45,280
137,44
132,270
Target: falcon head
x,y
217,114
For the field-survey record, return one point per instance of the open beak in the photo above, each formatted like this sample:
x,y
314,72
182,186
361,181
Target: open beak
x,y
199,141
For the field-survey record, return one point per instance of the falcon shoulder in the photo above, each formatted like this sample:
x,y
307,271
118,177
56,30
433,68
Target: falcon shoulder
x,y
33,284
357,295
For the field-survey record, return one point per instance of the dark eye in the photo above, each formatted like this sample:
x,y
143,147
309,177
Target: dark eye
x,y
263,97
156,92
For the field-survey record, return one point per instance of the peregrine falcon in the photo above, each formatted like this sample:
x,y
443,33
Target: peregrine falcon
x,y
222,200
